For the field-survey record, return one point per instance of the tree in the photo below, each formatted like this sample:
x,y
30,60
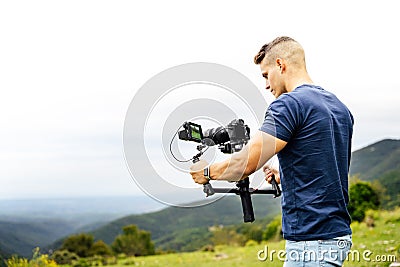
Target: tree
x,y
79,244
133,242
100,248
84,246
362,198
273,231
250,231
227,236
390,181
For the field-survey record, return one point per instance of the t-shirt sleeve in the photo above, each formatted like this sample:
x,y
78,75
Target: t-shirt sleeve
x,y
282,118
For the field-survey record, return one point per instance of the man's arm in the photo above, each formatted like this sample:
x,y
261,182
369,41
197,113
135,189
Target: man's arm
x,y
260,148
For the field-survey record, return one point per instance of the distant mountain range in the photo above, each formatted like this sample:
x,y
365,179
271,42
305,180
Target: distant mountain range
x,y
22,237
25,225
373,161
28,223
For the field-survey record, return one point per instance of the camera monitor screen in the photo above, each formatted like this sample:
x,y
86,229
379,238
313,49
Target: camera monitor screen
x,y
196,132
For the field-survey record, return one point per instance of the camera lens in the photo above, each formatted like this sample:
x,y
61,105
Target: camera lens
x,y
218,135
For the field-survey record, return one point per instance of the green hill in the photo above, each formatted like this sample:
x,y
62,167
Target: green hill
x,y
28,236
186,229
28,223
373,161
379,163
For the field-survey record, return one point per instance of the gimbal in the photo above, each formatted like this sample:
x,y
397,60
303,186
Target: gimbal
x,y
230,139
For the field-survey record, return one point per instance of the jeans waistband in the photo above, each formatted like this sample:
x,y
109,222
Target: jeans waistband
x,y
345,237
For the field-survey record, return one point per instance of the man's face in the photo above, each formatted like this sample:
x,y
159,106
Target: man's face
x,y
272,75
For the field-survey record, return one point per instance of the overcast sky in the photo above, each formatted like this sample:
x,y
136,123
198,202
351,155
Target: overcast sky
x,y
69,69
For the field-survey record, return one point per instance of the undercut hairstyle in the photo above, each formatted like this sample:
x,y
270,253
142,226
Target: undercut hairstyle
x,y
281,47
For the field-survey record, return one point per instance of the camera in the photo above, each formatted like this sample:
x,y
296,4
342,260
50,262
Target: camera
x,y
229,139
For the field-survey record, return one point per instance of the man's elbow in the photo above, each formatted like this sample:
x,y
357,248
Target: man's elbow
x,y
244,169
249,169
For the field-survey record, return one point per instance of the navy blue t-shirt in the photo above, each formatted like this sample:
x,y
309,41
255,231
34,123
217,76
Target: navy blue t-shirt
x,y
314,164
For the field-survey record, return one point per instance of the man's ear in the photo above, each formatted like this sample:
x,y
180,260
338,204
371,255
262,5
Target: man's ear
x,y
280,63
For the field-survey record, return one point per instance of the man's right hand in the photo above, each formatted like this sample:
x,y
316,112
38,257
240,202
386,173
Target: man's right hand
x,y
268,171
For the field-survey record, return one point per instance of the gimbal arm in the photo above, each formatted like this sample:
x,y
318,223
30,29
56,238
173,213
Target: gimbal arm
x,y
245,192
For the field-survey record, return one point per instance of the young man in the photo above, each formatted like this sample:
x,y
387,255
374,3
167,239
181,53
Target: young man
x,y
310,130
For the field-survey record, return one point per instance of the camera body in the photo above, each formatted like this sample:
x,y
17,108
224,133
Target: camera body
x,y
229,139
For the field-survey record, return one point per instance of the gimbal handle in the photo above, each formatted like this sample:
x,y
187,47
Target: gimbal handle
x,y
244,191
207,188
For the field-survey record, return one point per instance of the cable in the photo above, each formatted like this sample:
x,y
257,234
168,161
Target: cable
x,y
170,149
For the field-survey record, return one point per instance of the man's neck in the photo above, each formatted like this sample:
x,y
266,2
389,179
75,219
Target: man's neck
x,y
297,80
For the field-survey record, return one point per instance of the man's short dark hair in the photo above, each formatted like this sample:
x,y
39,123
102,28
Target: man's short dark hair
x,y
267,47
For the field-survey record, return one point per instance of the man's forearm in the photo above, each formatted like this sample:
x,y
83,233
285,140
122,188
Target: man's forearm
x,y
252,157
236,168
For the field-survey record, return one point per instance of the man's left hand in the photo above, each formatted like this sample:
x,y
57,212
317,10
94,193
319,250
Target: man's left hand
x,y
197,172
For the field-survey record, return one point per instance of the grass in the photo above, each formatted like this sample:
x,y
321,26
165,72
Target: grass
x,y
372,246
222,256
377,245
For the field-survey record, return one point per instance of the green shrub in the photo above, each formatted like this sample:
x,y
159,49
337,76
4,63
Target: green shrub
x,y
227,236
80,244
208,248
64,257
273,231
251,243
133,242
100,248
38,260
82,262
362,198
